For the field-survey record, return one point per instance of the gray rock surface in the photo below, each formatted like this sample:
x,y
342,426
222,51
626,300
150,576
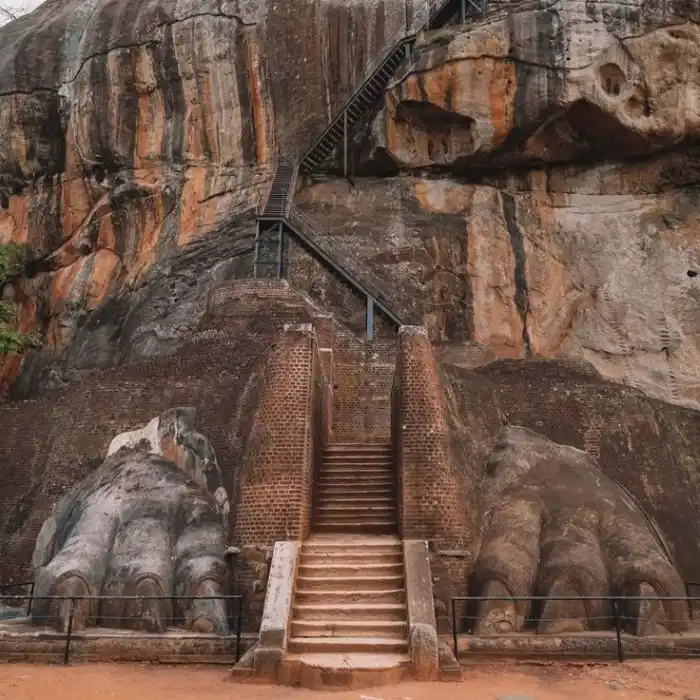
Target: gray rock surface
x,y
558,526
140,526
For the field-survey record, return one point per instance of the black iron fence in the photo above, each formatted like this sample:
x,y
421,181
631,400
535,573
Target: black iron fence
x,y
234,614
28,595
602,635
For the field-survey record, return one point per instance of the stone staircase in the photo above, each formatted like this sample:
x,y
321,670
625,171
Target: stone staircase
x,y
350,596
356,490
349,615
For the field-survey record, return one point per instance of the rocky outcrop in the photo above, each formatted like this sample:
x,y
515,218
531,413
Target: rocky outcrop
x,y
547,82
134,138
546,481
595,263
547,205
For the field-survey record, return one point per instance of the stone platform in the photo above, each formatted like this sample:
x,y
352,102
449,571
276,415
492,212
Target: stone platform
x,y
588,645
22,641
349,671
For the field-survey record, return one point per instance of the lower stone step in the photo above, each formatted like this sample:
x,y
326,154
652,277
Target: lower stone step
x,y
349,611
314,558
350,570
340,645
340,583
385,629
318,671
391,595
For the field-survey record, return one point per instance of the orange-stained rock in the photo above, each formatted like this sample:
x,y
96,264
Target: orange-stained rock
x,y
139,140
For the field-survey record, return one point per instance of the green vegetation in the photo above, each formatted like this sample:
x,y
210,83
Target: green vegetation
x,y
12,256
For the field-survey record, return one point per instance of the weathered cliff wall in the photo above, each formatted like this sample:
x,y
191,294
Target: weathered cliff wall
x,y
547,204
133,139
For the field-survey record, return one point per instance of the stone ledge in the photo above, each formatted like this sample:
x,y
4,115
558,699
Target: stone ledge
x,y
593,645
20,641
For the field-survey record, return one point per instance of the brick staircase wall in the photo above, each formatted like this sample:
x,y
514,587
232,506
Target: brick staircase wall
x,y
363,374
274,480
433,502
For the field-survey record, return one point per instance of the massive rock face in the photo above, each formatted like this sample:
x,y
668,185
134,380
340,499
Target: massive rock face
x,y
133,140
543,213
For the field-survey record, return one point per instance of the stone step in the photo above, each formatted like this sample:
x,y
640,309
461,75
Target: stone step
x,y
355,558
349,611
386,629
359,481
353,500
325,508
350,570
356,595
364,465
376,527
385,491
352,460
363,472
340,645
340,583
378,544
358,516
358,446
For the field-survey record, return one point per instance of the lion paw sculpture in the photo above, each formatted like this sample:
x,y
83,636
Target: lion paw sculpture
x,y
556,526
149,522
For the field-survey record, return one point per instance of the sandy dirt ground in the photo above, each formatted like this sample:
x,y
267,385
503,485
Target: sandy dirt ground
x,y
641,680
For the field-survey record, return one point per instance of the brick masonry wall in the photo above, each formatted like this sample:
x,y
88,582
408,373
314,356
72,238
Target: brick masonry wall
x,y
434,503
363,373
274,495
49,444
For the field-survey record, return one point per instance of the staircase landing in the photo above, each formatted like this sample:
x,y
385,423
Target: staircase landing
x,y
349,671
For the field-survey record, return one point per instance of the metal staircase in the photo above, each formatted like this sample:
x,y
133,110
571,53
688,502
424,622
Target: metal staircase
x,y
279,219
376,76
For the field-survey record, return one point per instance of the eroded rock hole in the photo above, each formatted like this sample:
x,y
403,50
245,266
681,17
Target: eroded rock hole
x,y
692,273
4,201
612,79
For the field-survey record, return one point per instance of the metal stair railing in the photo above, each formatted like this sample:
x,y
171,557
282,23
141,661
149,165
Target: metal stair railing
x,y
372,289
279,206
395,44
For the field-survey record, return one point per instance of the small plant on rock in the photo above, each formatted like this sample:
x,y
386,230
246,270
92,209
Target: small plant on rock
x,y
12,342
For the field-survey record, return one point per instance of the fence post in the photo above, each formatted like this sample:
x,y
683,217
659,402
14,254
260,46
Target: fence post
x,y
66,651
616,617
454,628
31,598
239,624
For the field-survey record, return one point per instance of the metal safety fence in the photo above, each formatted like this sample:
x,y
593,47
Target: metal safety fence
x,y
27,588
124,618
605,629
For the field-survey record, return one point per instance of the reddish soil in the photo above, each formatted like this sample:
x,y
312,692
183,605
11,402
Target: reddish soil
x,y
642,680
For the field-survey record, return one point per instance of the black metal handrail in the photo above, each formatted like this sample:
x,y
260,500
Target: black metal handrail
x,y
302,222
400,36
21,584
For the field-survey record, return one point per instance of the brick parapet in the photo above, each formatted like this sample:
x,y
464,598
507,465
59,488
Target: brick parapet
x,y
363,372
433,493
274,494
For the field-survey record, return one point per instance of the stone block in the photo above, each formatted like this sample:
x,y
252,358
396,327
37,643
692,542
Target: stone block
x,y
278,598
267,663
